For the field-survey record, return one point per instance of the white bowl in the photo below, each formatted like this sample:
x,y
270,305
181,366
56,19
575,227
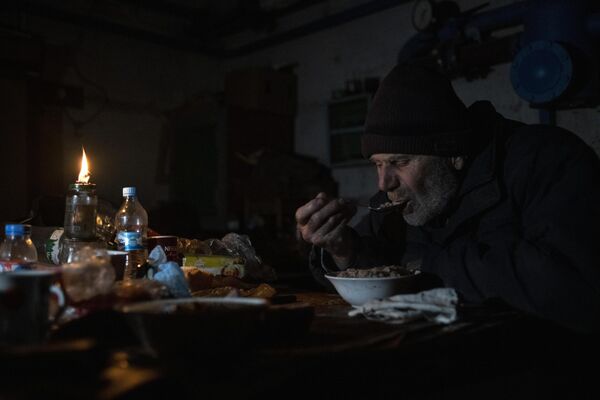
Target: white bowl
x,y
358,291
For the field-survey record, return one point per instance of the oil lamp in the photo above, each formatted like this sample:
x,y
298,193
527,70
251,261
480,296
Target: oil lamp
x,y
81,206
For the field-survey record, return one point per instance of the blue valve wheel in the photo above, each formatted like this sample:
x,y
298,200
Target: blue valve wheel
x,y
541,72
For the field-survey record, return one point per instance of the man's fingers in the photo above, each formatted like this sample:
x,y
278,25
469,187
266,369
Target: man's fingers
x,y
337,230
330,224
318,218
338,206
304,213
340,243
321,236
314,235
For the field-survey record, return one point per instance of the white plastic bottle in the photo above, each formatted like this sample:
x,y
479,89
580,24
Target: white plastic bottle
x,y
131,225
17,250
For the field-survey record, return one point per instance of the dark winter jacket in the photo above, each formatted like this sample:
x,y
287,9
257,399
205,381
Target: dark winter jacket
x,y
525,228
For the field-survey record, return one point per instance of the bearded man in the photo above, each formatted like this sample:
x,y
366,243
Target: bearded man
x,y
495,208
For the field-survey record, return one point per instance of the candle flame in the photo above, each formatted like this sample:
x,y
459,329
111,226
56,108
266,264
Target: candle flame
x,y
84,172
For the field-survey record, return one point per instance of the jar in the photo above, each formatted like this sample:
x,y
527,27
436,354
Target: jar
x,y
69,248
80,211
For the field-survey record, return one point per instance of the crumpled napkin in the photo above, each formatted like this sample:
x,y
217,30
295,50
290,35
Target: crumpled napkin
x,y
168,273
436,305
157,256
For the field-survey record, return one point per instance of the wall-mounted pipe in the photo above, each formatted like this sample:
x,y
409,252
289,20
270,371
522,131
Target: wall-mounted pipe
x,y
86,21
424,42
475,25
327,22
501,17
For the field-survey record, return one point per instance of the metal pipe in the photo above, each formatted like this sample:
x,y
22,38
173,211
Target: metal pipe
x,y
493,52
473,25
102,25
330,21
501,17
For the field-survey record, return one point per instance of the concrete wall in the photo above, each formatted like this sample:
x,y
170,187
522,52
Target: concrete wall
x,y
142,81
368,47
13,132
129,85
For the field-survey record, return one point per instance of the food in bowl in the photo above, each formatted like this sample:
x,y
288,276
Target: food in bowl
x,y
386,271
387,205
365,285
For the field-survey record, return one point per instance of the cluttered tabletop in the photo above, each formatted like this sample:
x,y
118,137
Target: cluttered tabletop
x,y
253,347
112,310
208,317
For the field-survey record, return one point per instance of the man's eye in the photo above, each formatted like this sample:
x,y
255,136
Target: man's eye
x,y
399,163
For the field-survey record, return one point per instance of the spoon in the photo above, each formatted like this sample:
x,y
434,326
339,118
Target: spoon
x,y
385,206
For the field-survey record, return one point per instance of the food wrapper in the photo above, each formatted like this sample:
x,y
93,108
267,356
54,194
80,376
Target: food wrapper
x,y
134,290
89,274
198,280
192,246
231,245
263,291
217,265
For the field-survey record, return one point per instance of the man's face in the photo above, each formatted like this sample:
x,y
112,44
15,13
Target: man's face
x,y
425,183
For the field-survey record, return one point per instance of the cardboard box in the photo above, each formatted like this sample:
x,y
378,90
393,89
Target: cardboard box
x,y
262,89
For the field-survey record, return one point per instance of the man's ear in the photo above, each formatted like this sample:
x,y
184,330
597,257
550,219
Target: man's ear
x,y
457,162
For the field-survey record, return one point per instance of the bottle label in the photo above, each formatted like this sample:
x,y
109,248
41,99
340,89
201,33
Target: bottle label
x,y
130,241
53,246
8,266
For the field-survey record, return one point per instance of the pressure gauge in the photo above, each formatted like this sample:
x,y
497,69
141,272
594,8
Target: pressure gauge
x,y
422,14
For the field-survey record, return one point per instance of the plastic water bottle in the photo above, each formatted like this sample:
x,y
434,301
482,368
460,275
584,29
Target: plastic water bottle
x,y
17,250
131,225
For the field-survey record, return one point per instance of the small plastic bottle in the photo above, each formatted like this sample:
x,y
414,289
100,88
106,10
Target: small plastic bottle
x,y
17,250
131,225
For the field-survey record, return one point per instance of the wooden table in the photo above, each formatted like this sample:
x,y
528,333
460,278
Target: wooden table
x,y
488,353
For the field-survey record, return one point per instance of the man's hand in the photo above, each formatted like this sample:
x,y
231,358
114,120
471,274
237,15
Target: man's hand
x,y
323,222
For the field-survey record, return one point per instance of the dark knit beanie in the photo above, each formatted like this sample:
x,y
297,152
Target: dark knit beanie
x,y
416,111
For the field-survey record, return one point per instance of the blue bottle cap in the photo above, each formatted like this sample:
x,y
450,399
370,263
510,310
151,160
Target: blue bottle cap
x,y
129,191
14,229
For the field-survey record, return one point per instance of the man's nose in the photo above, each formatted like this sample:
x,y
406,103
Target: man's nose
x,y
387,180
